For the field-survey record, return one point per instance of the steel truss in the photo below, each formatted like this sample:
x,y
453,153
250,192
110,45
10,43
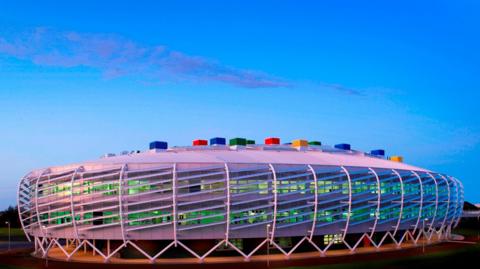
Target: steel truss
x,y
44,245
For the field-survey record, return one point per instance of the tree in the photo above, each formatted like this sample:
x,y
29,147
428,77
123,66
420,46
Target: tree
x,y
11,215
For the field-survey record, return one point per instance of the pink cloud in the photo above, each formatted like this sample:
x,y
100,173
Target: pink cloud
x,y
116,56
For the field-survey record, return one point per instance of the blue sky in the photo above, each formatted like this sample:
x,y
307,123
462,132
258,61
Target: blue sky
x,y
80,80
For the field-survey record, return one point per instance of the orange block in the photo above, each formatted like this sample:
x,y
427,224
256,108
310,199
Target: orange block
x,y
396,159
299,143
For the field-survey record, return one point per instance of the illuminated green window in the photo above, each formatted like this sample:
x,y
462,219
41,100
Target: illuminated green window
x,y
143,188
336,238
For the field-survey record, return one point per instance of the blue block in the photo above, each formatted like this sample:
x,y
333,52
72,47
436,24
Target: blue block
x,y
343,146
218,141
378,152
158,145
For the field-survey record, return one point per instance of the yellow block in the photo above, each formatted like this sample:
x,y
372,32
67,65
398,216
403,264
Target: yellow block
x,y
396,159
299,143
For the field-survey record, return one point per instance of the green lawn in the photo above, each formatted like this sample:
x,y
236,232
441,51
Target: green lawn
x,y
14,232
467,232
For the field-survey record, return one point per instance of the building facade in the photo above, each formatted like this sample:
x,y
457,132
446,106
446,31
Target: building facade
x,y
214,198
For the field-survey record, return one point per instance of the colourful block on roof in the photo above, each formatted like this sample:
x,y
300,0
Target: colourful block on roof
x,y
250,142
217,141
343,146
199,142
299,143
315,143
238,141
272,141
378,152
158,145
396,159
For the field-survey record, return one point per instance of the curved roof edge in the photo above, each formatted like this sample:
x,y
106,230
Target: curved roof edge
x,y
243,155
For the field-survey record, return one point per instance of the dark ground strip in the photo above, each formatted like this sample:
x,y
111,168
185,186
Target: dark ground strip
x,y
437,256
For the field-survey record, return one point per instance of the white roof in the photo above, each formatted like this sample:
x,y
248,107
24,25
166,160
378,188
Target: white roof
x,y
257,155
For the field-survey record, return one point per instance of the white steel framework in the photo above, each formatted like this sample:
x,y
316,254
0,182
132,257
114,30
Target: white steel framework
x,y
228,202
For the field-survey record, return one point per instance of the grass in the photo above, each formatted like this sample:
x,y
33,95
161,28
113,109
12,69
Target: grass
x,y
467,232
14,232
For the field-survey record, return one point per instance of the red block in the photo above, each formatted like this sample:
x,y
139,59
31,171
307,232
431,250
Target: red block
x,y
272,141
200,142
366,242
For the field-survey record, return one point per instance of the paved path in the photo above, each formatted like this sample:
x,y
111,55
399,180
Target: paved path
x,y
471,214
14,245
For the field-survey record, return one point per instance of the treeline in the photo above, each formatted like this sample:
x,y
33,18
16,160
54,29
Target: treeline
x,y
11,215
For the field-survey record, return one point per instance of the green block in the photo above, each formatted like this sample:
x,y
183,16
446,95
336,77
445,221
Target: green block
x,y
250,142
315,143
238,141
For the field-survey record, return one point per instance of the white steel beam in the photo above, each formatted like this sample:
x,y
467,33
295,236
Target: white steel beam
x,y
120,201
36,202
275,202
72,209
460,201
377,211
420,210
349,212
448,202
20,210
455,201
315,208
227,217
402,193
436,201
174,203
450,222
457,198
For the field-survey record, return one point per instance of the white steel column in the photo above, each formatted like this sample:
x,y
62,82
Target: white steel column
x,y
36,202
349,213
448,202
400,215
420,210
457,197
275,202
460,202
315,207
20,210
377,211
436,201
120,201
227,217
72,209
174,202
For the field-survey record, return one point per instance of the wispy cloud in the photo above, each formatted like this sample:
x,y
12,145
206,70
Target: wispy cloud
x,y
117,56
340,88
